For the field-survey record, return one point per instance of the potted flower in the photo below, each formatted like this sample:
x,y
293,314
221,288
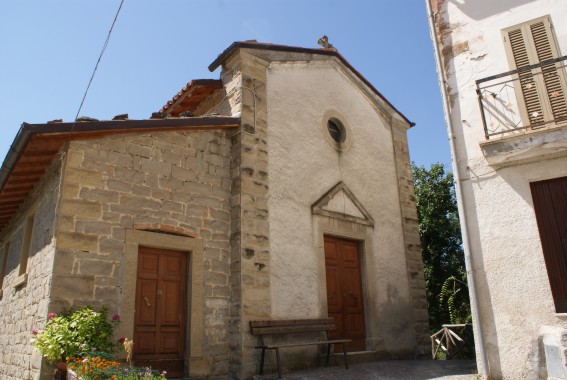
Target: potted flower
x,y
73,333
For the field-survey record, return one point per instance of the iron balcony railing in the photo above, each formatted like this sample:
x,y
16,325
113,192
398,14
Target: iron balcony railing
x,y
528,98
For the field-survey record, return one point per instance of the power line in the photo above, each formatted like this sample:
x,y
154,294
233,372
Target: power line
x,y
99,58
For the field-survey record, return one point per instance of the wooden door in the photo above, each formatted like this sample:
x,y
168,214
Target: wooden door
x,y
159,330
344,291
550,206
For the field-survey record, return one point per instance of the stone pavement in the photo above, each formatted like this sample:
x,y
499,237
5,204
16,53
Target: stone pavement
x,y
388,370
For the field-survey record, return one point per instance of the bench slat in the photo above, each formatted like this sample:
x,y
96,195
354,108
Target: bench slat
x,y
291,322
291,329
290,326
274,346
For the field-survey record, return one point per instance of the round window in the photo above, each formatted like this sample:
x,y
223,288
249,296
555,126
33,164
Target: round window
x,y
336,130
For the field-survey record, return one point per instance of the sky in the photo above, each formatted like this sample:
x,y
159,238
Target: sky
x,y
50,48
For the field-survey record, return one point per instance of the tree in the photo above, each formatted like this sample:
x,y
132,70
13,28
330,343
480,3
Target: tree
x,y
441,243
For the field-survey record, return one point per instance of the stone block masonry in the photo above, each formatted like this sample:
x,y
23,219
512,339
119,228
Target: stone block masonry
x,y
25,307
177,181
250,259
412,242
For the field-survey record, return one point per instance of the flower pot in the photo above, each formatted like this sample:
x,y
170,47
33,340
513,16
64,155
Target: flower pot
x,y
60,371
72,375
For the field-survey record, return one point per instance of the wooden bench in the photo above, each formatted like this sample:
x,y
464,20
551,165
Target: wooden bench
x,y
295,326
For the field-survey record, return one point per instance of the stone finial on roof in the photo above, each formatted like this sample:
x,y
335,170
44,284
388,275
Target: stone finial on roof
x,y
324,42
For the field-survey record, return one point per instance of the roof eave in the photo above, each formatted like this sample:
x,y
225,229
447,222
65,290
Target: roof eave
x,y
13,154
51,136
133,125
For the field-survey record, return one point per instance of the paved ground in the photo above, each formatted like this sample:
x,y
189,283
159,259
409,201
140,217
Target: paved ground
x,y
389,370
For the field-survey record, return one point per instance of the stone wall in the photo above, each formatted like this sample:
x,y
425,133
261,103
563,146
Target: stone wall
x,y
25,307
412,241
173,181
245,80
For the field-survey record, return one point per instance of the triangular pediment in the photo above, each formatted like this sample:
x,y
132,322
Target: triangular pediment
x,y
339,202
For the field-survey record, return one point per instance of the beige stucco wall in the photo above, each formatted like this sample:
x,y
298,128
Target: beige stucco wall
x,y
513,287
303,166
24,302
515,296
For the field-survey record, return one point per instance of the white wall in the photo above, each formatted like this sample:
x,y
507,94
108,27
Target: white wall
x,y
303,166
514,292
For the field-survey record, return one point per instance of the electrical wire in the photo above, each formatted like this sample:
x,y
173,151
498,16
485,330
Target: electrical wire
x,y
99,58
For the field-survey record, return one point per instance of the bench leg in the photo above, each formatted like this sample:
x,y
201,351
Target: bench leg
x,y
278,363
345,355
328,354
262,361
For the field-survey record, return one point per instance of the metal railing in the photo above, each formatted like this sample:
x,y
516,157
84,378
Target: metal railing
x,y
505,99
448,342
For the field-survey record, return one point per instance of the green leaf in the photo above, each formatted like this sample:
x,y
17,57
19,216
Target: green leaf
x,y
441,244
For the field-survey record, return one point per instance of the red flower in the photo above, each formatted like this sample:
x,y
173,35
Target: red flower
x,y
116,318
121,340
34,332
51,315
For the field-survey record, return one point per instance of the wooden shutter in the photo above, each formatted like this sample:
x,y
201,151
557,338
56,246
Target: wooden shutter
x,y
541,90
550,206
545,50
3,262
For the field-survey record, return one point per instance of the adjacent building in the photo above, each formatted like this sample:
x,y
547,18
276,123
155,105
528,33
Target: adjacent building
x,y
502,73
282,190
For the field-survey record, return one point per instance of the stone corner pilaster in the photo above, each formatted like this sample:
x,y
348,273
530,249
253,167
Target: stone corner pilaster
x,y
412,244
250,258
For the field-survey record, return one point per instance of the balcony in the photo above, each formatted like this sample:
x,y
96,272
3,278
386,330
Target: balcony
x,y
524,113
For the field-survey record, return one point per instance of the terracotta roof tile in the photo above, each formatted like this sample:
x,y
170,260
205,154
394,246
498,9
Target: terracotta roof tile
x,y
190,96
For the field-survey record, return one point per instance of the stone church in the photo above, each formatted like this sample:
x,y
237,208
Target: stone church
x,y
282,190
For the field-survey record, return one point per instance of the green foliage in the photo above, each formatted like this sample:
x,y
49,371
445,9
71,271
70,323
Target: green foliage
x,y
135,373
75,332
138,376
454,294
443,257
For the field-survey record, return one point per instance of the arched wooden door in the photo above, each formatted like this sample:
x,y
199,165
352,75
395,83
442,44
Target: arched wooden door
x,y
159,330
344,291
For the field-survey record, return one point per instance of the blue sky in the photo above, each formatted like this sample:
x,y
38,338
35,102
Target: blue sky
x,y
49,49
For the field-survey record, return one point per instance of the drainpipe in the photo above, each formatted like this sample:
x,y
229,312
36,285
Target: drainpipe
x,y
485,372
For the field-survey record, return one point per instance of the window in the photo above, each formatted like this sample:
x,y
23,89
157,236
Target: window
x,y
24,255
542,89
550,206
3,262
336,130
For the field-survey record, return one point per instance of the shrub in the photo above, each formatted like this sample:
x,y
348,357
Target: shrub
x,y
76,332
